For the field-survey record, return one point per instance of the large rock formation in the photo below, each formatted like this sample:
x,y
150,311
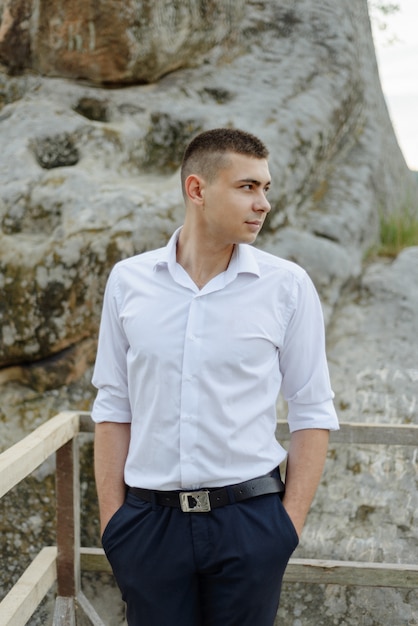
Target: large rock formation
x,y
366,508
113,42
89,174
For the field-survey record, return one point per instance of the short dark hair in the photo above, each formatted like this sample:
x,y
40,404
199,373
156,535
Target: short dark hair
x,y
208,151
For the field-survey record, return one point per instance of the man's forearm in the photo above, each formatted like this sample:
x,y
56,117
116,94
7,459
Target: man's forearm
x,y
305,463
111,444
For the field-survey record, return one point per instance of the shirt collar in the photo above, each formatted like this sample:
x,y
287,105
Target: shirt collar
x,y
167,255
242,261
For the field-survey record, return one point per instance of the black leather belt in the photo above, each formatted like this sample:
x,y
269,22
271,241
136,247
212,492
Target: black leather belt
x,y
204,500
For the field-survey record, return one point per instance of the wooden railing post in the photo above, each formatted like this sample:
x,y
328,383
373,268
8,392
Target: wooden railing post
x,y
68,519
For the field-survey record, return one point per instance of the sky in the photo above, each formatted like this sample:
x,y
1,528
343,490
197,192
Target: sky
x,y
397,57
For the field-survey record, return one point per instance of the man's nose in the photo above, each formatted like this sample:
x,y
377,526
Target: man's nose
x,y
262,204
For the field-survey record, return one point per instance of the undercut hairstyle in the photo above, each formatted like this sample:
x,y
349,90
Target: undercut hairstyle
x,y
208,152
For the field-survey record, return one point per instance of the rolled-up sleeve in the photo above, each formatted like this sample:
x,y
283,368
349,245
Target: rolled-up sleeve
x,y
110,371
306,383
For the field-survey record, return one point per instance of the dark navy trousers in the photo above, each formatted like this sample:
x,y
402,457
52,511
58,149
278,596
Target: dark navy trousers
x,y
222,568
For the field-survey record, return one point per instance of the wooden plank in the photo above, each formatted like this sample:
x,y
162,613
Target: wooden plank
x,y
64,613
395,434
68,519
310,571
94,560
359,573
25,456
26,595
350,432
89,611
383,434
86,423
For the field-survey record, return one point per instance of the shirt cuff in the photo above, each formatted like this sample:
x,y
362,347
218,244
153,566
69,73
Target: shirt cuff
x,y
321,415
110,408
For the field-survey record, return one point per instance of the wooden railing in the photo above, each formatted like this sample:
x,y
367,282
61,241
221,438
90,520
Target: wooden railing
x,y
63,564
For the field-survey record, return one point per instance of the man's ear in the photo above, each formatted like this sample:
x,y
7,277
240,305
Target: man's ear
x,y
194,187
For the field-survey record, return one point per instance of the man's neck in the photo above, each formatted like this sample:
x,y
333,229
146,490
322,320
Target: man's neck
x,y
202,261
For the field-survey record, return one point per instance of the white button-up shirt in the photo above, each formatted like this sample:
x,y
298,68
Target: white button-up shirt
x,y
198,372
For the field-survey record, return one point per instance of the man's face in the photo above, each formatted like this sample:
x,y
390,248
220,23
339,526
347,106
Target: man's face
x,y
235,202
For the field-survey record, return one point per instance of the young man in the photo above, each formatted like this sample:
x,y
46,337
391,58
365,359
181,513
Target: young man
x,y
196,341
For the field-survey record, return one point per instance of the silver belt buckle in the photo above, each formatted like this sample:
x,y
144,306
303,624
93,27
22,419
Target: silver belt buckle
x,y
195,501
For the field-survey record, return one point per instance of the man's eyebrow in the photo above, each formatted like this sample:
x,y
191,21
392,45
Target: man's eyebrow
x,y
255,182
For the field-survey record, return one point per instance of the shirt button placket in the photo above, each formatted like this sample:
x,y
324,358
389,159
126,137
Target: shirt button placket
x,y
190,395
